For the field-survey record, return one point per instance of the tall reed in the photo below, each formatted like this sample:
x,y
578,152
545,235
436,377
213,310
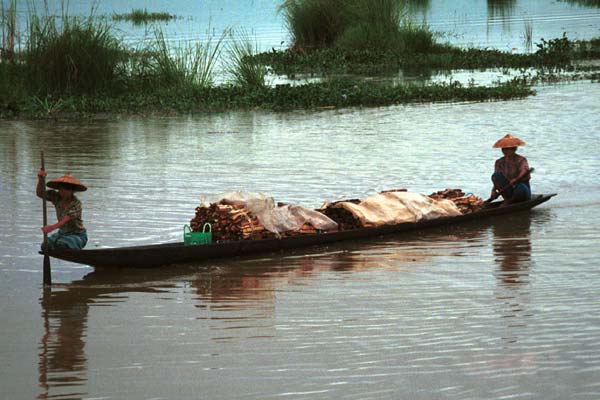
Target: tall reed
x,y
242,66
178,66
313,23
8,26
379,25
72,55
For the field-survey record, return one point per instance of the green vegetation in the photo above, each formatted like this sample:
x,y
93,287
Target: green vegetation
x,y
143,16
8,30
72,56
555,53
245,69
74,66
354,25
162,66
330,94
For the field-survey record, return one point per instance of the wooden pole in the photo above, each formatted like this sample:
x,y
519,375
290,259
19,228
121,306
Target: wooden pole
x,y
47,271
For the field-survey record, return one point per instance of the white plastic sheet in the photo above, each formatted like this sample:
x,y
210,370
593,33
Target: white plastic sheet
x,y
274,219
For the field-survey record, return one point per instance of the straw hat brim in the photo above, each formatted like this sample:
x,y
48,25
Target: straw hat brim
x,y
509,141
67,181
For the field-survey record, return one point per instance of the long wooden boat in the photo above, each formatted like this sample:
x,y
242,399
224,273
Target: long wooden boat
x,y
174,253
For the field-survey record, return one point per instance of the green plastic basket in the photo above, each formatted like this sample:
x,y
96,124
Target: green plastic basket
x,y
191,238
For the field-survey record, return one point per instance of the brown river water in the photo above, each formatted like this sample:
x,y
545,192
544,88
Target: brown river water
x,y
502,309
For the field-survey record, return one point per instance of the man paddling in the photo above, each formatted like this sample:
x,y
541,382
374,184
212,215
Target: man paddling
x,y
511,172
71,233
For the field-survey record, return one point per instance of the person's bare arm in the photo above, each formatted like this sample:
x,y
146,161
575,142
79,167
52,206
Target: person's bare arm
x,y
62,222
39,190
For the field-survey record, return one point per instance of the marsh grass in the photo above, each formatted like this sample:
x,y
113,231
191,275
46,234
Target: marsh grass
x,y
143,16
8,26
242,65
185,64
354,25
72,55
313,23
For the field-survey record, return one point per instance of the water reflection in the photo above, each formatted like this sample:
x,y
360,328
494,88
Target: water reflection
x,y
512,249
512,253
501,9
585,3
236,300
63,364
418,6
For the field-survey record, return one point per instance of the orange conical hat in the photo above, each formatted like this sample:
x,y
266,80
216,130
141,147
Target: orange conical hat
x,y
509,141
67,179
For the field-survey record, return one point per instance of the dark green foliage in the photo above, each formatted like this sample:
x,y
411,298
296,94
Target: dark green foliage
x,y
13,95
559,50
75,56
553,53
329,94
245,69
143,16
353,25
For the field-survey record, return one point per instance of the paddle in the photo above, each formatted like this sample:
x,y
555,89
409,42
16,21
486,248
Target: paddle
x,y
529,171
47,273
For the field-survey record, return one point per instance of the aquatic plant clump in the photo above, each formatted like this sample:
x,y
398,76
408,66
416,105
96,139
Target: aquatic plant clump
x,y
143,16
315,96
354,25
245,69
78,55
163,64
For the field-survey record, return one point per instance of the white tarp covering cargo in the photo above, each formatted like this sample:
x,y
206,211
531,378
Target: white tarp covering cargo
x,y
275,219
398,207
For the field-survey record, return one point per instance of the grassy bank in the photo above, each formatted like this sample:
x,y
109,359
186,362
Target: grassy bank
x,y
555,53
75,66
331,94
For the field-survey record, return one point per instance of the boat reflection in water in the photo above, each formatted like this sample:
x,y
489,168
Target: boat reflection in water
x,y
512,250
63,363
236,299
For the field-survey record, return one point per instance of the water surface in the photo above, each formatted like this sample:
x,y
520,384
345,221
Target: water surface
x,y
502,309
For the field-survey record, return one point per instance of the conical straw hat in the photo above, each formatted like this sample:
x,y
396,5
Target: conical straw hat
x,y
509,141
69,181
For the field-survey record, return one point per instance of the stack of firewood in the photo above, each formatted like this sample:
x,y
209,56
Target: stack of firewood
x,y
228,222
466,204
345,219
233,221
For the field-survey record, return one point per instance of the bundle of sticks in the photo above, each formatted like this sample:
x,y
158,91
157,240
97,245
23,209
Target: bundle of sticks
x,y
345,219
233,221
466,204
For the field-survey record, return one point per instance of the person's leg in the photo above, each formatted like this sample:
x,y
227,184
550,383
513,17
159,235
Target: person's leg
x,y
75,241
500,183
522,192
52,239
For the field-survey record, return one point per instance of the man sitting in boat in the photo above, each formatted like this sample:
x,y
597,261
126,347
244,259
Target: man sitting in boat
x,y
511,172
71,233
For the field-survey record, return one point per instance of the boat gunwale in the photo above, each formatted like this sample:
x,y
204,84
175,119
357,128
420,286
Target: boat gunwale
x,y
272,244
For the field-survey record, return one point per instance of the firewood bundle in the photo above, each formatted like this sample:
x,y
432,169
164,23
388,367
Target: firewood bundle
x,y
466,204
228,222
233,221
345,219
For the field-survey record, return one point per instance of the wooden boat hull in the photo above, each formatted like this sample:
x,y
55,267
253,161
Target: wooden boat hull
x,y
174,253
